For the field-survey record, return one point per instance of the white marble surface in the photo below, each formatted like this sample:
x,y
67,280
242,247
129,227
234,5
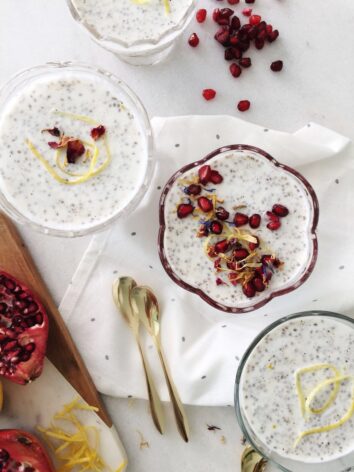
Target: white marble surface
x,y
315,85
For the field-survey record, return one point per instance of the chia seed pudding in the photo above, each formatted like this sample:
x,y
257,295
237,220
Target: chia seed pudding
x,y
320,348
129,22
251,180
59,98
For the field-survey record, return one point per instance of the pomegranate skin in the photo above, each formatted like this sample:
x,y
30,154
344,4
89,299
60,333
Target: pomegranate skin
x,y
22,452
23,331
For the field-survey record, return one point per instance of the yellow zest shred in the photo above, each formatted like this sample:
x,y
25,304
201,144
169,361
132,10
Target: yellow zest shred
x,y
63,164
305,405
77,446
166,4
300,392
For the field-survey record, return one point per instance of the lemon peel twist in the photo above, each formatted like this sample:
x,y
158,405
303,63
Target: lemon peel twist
x,y
166,4
80,178
306,404
300,392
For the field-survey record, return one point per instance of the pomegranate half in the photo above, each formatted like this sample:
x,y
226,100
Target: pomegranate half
x,y
22,452
23,331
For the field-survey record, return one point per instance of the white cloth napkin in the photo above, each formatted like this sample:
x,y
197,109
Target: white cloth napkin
x,y
203,345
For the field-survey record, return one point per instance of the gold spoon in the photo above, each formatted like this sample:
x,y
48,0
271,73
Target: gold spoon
x,y
252,461
122,289
145,304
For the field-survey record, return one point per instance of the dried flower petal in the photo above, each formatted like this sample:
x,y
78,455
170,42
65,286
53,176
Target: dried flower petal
x,y
53,131
97,132
74,150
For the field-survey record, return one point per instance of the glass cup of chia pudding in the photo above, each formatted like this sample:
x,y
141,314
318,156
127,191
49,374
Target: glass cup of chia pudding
x,y
294,393
76,148
140,32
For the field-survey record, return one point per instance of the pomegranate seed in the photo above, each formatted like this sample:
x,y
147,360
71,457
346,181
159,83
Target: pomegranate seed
x,y
223,35
235,24
237,53
211,251
235,70
258,284
216,227
247,11
269,29
201,15
272,216
262,35
274,225
240,254
250,1
221,246
245,62
259,43
223,16
240,219
254,246
255,221
249,290
205,204
233,2
216,14
231,265
255,20
276,66
253,32
215,177
243,105
204,173
280,210
193,189
273,35
219,281
193,40
209,94
184,209
222,214
262,26
229,54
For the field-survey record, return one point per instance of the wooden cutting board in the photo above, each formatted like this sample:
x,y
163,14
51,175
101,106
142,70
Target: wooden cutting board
x,y
62,352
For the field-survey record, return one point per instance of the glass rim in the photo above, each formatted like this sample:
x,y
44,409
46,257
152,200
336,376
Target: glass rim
x,y
136,46
312,235
245,357
144,122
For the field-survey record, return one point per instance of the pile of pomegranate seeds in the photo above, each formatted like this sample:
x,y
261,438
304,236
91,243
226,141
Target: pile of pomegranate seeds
x,y
237,253
236,39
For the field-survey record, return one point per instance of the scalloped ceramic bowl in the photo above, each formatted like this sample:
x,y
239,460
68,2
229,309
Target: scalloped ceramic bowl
x,y
255,179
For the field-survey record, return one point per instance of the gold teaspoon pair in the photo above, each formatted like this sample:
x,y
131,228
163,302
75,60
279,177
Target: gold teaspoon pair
x,y
139,305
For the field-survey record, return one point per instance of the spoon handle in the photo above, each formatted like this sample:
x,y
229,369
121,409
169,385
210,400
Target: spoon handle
x,y
154,399
178,409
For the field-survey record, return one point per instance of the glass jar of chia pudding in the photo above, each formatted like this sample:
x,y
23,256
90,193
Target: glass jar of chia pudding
x,y
76,149
140,32
294,393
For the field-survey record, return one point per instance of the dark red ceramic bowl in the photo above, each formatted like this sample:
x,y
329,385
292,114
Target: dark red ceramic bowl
x,y
269,294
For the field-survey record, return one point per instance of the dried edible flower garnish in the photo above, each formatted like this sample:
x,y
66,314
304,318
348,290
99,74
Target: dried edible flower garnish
x,y
305,403
53,131
74,149
212,427
75,446
98,132
238,254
